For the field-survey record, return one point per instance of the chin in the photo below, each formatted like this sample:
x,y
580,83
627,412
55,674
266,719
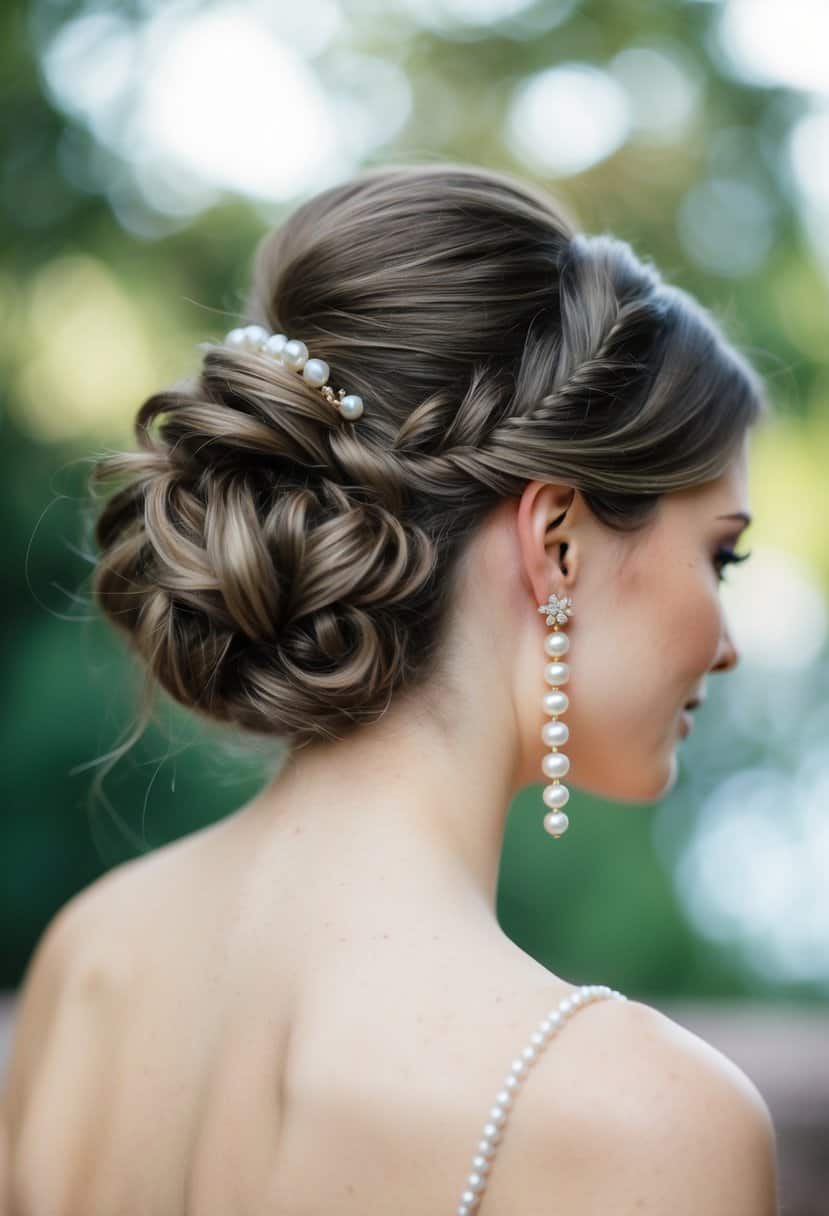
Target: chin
x,y
663,781
647,784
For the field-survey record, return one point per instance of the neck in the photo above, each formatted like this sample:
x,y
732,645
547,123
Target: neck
x,y
418,799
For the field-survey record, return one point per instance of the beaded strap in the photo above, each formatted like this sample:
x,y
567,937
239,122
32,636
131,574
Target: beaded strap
x,y
493,1129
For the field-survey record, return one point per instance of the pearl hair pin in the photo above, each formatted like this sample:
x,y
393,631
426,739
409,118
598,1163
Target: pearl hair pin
x,y
290,352
554,733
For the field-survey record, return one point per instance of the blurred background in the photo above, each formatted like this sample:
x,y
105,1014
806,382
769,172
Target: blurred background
x,y
146,147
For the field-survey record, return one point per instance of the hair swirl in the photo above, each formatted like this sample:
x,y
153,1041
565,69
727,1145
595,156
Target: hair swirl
x,y
281,569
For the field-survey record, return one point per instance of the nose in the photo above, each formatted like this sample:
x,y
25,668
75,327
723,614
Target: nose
x,y
727,653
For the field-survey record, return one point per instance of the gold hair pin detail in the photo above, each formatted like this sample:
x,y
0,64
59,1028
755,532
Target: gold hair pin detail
x,y
294,354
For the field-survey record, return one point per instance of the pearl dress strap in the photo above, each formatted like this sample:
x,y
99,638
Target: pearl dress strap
x,y
549,1026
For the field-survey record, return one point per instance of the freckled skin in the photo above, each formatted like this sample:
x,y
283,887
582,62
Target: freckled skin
x,y
325,967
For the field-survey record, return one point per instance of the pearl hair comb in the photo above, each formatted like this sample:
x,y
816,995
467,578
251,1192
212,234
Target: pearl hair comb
x,y
290,352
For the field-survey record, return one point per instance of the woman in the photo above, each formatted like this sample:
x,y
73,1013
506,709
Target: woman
x,y
455,432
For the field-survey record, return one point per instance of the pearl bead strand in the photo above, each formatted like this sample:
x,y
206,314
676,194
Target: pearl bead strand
x,y
294,354
493,1130
554,733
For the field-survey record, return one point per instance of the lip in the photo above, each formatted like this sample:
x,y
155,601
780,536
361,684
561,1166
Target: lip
x,y
686,723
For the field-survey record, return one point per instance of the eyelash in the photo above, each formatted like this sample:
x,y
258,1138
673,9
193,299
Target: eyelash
x,y
724,557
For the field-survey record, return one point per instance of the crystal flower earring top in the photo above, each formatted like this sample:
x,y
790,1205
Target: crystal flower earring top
x,y
558,610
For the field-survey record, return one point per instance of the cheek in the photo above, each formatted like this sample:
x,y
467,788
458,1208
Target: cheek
x,y
676,622
653,647
629,681
634,660
690,632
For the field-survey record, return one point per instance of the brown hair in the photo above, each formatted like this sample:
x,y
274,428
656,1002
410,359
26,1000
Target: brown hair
x,y
280,568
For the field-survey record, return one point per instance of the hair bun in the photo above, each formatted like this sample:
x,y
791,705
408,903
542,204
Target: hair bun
x,y
256,594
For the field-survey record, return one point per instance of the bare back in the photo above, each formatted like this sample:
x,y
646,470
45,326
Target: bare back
x,y
205,1058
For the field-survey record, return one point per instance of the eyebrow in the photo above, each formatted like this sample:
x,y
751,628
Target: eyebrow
x,y
743,515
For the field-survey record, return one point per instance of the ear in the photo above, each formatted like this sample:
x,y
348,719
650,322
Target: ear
x,y
546,538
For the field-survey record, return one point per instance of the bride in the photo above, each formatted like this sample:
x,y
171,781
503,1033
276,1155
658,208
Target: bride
x,y
445,515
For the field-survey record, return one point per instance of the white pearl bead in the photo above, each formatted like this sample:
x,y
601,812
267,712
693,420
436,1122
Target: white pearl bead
x,y
556,643
481,1164
351,406
294,354
504,1098
255,335
276,344
557,673
315,371
555,796
492,1132
555,702
476,1183
554,734
236,338
556,822
555,764
486,1148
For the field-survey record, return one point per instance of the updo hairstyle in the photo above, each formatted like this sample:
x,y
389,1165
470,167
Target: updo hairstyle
x,y
289,572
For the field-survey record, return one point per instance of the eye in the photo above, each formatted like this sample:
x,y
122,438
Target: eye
x,y
724,557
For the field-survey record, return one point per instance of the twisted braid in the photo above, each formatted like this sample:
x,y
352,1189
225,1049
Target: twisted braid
x,y
290,573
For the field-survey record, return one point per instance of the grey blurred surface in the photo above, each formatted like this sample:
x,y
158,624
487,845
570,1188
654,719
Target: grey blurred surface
x,y
785,1052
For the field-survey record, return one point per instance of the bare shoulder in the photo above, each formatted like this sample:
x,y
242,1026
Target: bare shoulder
x,y
86,934
80,947
35,1010
51,964
674,1124
78,969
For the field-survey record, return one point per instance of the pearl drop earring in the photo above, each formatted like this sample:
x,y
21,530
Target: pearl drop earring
x,y
554,733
